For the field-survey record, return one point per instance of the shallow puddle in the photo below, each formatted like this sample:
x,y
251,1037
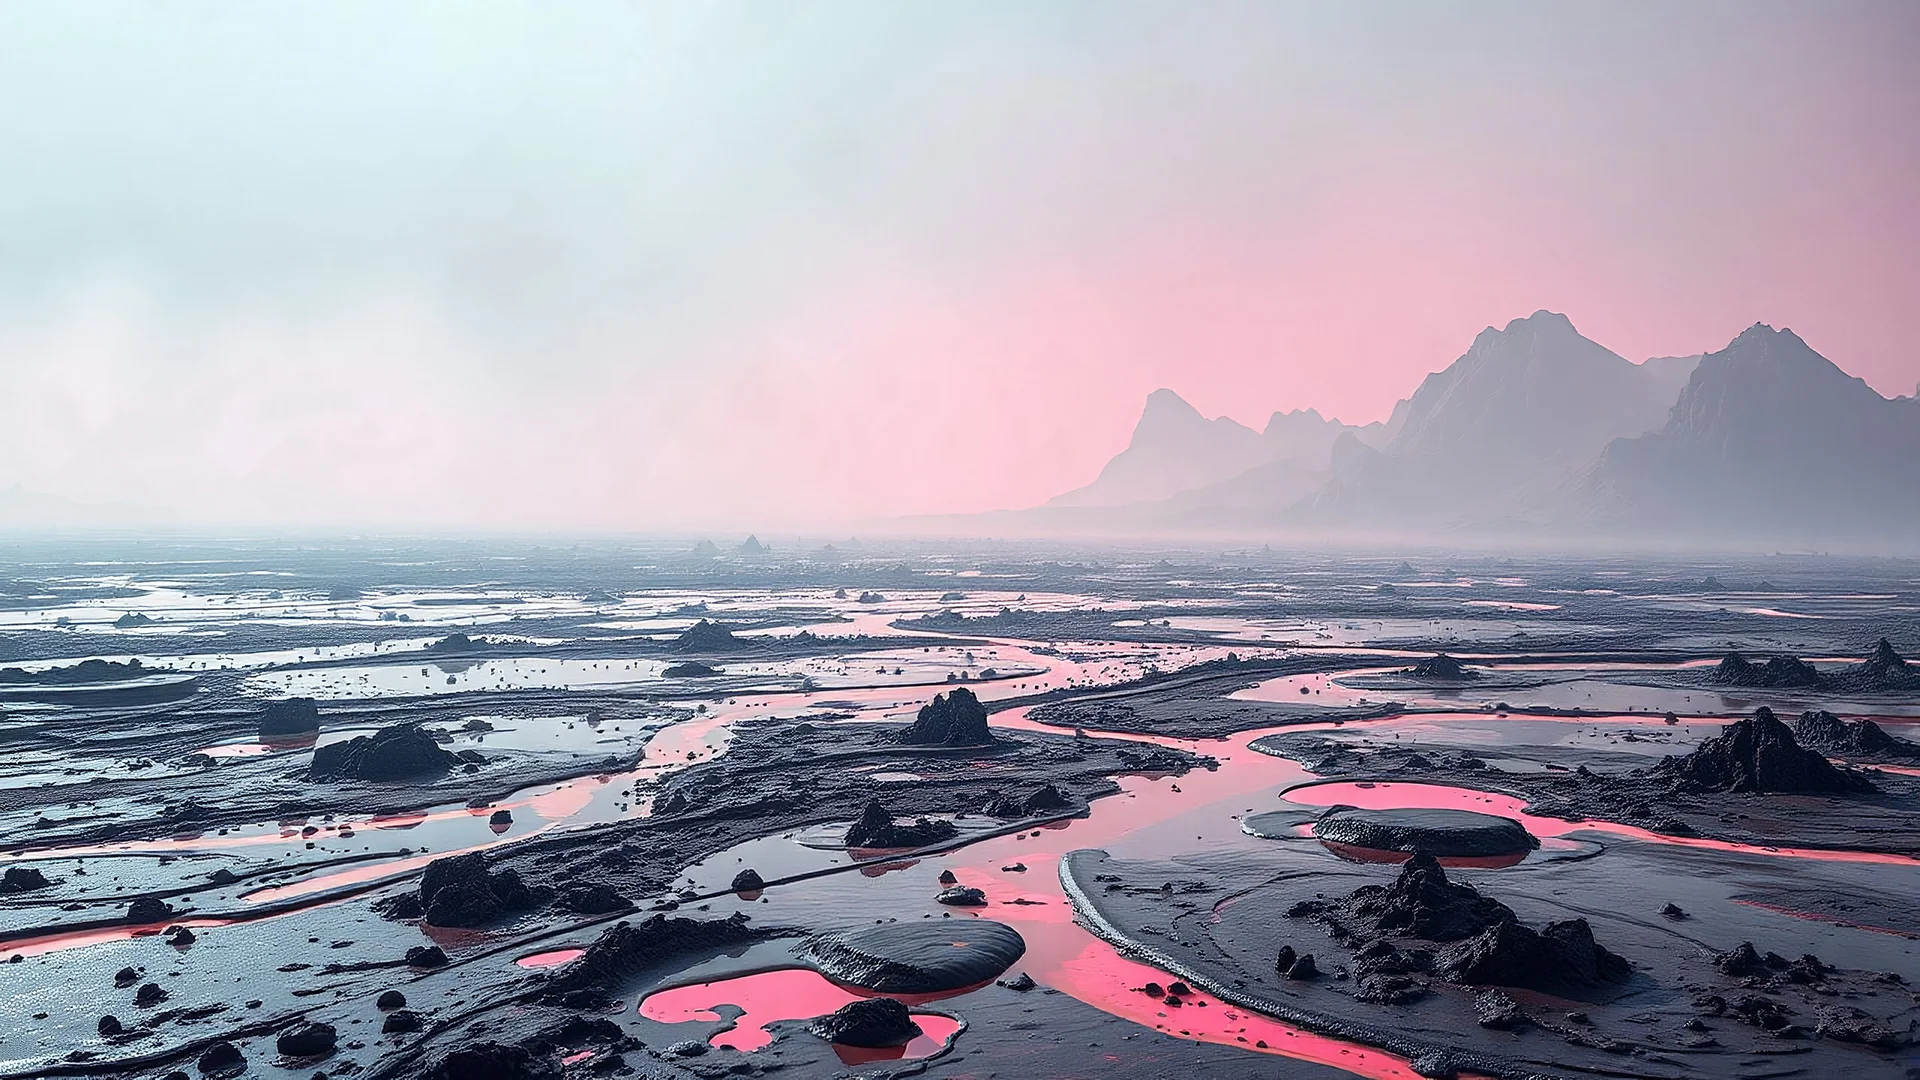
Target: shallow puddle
x,y
791,994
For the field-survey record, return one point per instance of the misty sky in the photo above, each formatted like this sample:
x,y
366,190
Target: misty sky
x,y
650,265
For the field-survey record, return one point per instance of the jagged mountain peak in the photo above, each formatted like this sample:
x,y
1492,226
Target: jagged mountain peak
x,y
1164,402
1769,434
1296,416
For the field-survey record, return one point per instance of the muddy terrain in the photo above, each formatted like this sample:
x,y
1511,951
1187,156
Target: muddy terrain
x,y
467,811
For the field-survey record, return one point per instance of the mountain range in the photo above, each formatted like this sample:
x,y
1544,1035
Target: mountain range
x,y
1537,429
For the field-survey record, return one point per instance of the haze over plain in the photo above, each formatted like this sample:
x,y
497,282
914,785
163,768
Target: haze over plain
x,y
651,267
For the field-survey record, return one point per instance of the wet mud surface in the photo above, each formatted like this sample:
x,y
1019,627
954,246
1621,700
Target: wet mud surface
x,y
623,812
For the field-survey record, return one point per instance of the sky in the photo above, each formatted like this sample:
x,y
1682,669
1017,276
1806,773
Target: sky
x,y
655,265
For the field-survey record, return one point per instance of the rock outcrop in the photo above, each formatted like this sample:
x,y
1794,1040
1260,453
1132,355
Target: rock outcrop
x,y
956,718
878,829
396,753
1829,734
870,1022
1883,671
1777,673
706,637
1486,944
1758,754
293,716
626,948
465,891
1442,666
19,879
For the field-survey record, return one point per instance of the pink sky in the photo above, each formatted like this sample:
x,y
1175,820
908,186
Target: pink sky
x,y
607,266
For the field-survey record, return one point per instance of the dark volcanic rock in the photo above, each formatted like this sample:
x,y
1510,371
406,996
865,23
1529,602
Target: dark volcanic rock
x,y
706,637
294,716
690,669
869,1022
395,753
149,909
748,880
1758,754
307,1039
1508,954
1829,734
1420,903
1883,670
426,956
389,1000
1044,799
915,957
1489,946
1442,666
596,898
1440,833
1779,672
110,1026
19,879
402,1022
877,829
149,995
464,891
962,896
628,948
494,1061
456,643
953,719
222,1059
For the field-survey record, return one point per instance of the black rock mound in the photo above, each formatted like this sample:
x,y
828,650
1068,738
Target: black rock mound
x,y
1486,944
915,958
690,669
952,719
878,829
19,879
1046,799
395,753
464,891
1829,734
494,1061
1779,672
456,643
1883,671
1441,833
307,1039
874,1023
1421,903
1758,754
1509,954
706,637
293,716
1442,666
627,948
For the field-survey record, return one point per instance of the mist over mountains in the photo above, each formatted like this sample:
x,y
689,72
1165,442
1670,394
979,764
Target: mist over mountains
x,y
1539,431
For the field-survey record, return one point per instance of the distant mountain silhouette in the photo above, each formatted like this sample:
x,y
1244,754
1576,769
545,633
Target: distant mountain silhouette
x,y
1768,434
1180,455
1539,429
1520,410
